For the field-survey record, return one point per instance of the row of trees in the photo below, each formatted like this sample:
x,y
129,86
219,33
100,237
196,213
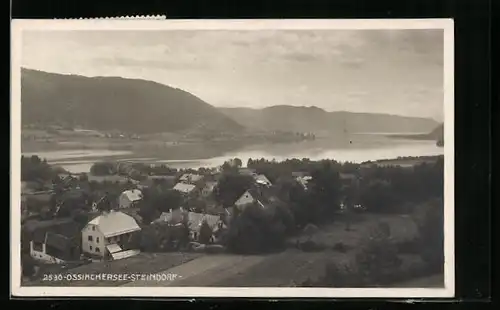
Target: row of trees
x,y
378,189
377,260
33,168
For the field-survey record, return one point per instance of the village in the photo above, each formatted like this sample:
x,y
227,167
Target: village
x,y
124,214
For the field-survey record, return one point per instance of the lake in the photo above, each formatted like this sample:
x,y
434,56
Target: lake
x,y
357,149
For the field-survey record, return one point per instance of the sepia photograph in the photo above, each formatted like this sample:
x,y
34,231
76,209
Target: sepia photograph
x,y
256,158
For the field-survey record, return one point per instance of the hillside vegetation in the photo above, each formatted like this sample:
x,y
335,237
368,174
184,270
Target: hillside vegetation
x,y
114,103
316,120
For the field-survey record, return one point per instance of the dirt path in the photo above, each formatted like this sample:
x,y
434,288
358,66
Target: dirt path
x,y
202,271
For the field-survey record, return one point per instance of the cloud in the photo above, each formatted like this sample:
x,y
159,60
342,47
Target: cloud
x,y
372,70
154,64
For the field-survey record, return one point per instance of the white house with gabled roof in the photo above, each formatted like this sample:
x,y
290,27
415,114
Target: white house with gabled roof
x,y
129,198
109,234
184,188
262,179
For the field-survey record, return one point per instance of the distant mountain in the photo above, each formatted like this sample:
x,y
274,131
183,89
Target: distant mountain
x,y
114,103
316,120
438,132
438,135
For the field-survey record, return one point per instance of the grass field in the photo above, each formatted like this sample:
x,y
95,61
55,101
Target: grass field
x,y
289,268
284,269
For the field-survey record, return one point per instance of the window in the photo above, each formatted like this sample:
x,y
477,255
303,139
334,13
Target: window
x,y
90,238
97,250
93,227
97,239
90,248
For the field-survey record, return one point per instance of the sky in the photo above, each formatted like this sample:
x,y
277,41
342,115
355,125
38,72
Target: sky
x,y
379,71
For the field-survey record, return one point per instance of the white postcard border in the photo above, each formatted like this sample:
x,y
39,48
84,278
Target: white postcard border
x,y
19,25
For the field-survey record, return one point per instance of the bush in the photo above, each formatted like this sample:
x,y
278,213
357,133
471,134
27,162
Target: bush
x,y
341,247
379,196
378,256
205,233
255,230
28,265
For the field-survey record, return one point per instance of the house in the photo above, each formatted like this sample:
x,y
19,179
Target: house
x,y
225,213
252,196
190,178
67,180
129,198
52,242
184,188
262,179
303,181
195,221
297,174
109,235
208,189
172,217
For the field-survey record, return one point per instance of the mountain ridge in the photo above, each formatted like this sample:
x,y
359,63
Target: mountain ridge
x,y
315,119
143,106
116,103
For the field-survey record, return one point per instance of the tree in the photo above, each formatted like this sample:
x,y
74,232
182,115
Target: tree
x,y
103,168
84,177
27,265
231,187
377,257
255,230
35,169
104,204
238,163
431,234
379,196
324,191
205,233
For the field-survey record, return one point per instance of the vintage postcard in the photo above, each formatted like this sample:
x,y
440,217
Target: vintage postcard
x,y
235,158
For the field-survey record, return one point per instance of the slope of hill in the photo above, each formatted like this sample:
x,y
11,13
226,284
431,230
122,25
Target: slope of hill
x,y
437,134
313,119
114,103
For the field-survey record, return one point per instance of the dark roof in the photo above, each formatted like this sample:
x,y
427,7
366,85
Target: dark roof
x,y
66,227
262,194
58,241
39,236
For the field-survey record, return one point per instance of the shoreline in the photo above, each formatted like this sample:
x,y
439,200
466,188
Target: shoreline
x,y
195,155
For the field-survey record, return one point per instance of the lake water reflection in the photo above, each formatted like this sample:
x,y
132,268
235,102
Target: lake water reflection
x,y
357,149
